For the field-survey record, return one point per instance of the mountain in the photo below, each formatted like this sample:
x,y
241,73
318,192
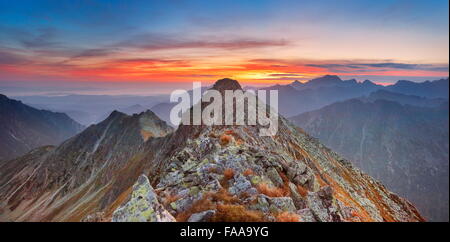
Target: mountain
x,y
405,99
324,81
297,97
133,109
85,174
91,109
318,93
405,147
430,89
163,109
110,172
23,128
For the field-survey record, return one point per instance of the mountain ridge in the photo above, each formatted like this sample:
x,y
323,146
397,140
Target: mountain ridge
x,y
24,128
229,170
404,146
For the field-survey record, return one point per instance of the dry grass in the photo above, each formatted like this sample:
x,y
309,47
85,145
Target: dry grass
x,y
249,172
302,191
225,139
170,199
236,213
287,217
227,209
228,173
223,196
272,191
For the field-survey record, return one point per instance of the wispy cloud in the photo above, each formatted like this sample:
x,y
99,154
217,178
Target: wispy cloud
x,y
165,41
384,65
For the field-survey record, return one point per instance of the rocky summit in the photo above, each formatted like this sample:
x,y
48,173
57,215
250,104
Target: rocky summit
x,y
125,169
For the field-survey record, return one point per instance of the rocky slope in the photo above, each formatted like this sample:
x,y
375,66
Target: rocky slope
x,y
405,147
198,173
230,173
83,176
23,128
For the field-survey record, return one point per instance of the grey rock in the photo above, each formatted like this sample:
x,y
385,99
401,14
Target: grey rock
x,y
202,216
273,175
318,209
306,215
278,204
241,184
296,197
143,205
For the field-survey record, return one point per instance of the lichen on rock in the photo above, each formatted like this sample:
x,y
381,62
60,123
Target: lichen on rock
x,y
143,205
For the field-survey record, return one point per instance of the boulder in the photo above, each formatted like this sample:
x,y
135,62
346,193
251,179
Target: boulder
x,y
306,215
281,204
296,197
143,205
202,216
273,175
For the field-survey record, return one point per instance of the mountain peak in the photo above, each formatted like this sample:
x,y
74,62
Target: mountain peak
x,y
368,82
226,84
327,79
116,113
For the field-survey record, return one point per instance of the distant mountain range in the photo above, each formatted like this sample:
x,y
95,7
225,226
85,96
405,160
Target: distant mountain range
x,y
431,89
402,140
405,99
294,98
297,97
91,109
23,128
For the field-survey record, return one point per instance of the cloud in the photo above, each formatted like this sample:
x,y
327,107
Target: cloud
x,y
98,52
164,42
10,58
382,66
43,38
286,75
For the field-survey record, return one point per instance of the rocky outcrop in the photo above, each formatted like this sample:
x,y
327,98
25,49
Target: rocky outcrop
x,y
143,205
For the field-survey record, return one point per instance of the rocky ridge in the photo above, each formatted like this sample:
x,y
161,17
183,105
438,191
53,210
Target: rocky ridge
x,y
229,173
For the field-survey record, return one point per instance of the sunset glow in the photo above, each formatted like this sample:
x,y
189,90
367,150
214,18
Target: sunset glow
x,y
257,43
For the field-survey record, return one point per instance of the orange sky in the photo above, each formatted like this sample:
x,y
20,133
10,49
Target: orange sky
x,y
257,44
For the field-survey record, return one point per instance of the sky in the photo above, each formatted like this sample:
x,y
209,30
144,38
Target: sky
x,y
93,46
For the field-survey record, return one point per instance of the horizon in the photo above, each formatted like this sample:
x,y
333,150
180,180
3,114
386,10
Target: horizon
x,y
18,92
96,47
